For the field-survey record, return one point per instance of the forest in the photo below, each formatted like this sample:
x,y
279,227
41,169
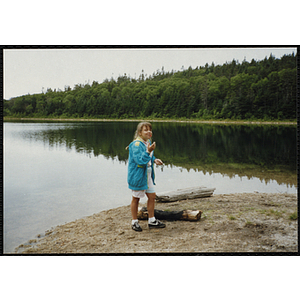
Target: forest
x,y
256,90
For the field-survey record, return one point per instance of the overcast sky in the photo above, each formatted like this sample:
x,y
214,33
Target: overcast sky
x,y
31,70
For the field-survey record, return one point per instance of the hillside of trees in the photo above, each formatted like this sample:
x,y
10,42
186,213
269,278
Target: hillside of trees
x,y
259,90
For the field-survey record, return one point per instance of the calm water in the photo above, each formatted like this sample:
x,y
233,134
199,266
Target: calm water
x,y
58,172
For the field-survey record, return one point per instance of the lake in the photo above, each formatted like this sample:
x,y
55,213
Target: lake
x,y
57,172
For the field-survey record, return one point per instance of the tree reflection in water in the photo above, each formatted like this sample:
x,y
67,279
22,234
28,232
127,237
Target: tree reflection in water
x,y
264,151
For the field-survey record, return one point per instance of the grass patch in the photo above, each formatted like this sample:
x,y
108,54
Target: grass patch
x,y
274,212
293,216
249,208
232,218
270,212
262,211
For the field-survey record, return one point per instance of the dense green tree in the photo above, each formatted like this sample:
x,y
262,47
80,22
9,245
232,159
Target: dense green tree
x,y
257,90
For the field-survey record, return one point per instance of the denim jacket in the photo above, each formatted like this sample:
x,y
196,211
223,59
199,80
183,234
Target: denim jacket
x,y
137,165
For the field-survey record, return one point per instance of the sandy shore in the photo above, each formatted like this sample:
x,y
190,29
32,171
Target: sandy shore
x,y
245,222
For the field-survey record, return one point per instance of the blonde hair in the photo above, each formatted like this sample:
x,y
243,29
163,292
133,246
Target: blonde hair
x,y
139,129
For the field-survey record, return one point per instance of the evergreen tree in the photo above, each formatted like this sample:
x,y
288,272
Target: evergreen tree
x,y
257,90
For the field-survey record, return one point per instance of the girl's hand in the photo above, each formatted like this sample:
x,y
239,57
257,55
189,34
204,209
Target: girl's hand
x,y
158,161
151,148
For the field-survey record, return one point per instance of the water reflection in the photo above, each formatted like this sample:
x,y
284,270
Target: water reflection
x,y
265,152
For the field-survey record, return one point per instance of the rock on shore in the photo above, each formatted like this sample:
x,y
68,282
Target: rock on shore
x,y
245,222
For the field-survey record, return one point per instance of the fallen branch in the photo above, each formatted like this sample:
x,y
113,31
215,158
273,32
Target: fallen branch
x,y
185,215
183,194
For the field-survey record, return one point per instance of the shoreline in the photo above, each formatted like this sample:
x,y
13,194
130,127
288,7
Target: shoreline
x,y
238,222
155,120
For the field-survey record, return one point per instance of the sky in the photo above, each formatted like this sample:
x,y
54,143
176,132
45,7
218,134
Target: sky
x,y
31,71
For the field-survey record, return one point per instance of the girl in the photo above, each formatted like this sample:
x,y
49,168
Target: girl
x,y
141,174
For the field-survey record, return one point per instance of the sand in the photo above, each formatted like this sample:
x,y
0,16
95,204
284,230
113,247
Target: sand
x,y
239,223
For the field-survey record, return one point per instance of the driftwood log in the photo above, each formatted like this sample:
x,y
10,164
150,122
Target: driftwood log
x,y
183,194
185,215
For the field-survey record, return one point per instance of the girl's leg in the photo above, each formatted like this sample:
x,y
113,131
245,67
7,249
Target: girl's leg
x,y
134,207
150,207
151,204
